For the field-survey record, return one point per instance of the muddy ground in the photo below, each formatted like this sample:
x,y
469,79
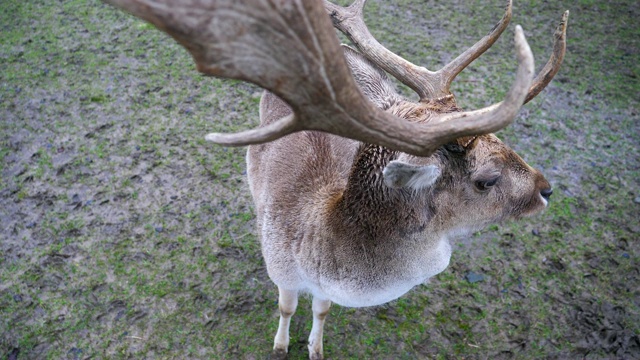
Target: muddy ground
x,y
123,234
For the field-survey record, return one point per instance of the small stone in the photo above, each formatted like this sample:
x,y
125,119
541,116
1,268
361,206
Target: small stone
x,y
535,232
474,277
637,200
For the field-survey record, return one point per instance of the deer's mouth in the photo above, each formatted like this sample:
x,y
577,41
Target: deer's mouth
x,y
536,204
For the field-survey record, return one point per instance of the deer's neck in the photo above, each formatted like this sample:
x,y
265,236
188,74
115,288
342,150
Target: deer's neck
x,y
369,206
365,183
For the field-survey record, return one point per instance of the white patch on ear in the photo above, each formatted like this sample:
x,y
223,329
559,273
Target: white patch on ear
x,y
399,174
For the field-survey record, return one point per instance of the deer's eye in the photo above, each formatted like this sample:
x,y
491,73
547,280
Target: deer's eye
x,y
486,184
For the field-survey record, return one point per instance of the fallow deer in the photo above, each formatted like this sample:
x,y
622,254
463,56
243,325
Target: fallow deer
x,y
358,191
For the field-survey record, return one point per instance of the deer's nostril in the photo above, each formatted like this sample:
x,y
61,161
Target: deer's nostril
x,y
546,193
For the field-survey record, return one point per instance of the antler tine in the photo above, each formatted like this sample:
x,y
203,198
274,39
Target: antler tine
x,y
497,116
274,131
452,69
427,84
553,65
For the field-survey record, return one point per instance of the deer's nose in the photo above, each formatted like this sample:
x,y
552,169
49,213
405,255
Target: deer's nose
x,y
546,193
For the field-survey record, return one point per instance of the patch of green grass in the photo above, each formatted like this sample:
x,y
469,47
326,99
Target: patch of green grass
x,y
159,256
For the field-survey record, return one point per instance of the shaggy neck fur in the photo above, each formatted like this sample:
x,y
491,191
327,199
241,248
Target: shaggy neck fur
x,y
371,207
368,204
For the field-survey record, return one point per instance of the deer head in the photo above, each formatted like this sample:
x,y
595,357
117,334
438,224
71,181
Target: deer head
x,y
361,217
478,177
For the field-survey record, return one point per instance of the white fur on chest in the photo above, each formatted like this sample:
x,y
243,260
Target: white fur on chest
x,y
418,268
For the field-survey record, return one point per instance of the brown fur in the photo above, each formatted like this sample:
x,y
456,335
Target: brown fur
x,y
330,225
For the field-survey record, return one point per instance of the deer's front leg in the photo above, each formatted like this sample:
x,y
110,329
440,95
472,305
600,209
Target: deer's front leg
x,y
287,302
320,311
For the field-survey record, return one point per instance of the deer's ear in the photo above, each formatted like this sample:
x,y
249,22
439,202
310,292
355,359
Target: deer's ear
x,y
399,174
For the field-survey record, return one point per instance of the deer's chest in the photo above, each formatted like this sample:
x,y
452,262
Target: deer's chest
x,y
359,282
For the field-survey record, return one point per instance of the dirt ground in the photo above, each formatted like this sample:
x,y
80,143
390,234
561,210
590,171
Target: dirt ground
x,y
123,234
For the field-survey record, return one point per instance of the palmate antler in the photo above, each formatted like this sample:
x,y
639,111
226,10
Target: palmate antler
x,y
291,49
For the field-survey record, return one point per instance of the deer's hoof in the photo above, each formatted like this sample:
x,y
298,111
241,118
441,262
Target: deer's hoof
x,y
278,354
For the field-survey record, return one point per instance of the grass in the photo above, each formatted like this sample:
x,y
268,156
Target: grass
x,y
126,235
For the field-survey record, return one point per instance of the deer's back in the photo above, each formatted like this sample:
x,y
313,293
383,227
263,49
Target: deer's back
x,y
295,167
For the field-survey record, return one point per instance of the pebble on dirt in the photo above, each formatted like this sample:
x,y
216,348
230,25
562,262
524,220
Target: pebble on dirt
x,y
474,277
